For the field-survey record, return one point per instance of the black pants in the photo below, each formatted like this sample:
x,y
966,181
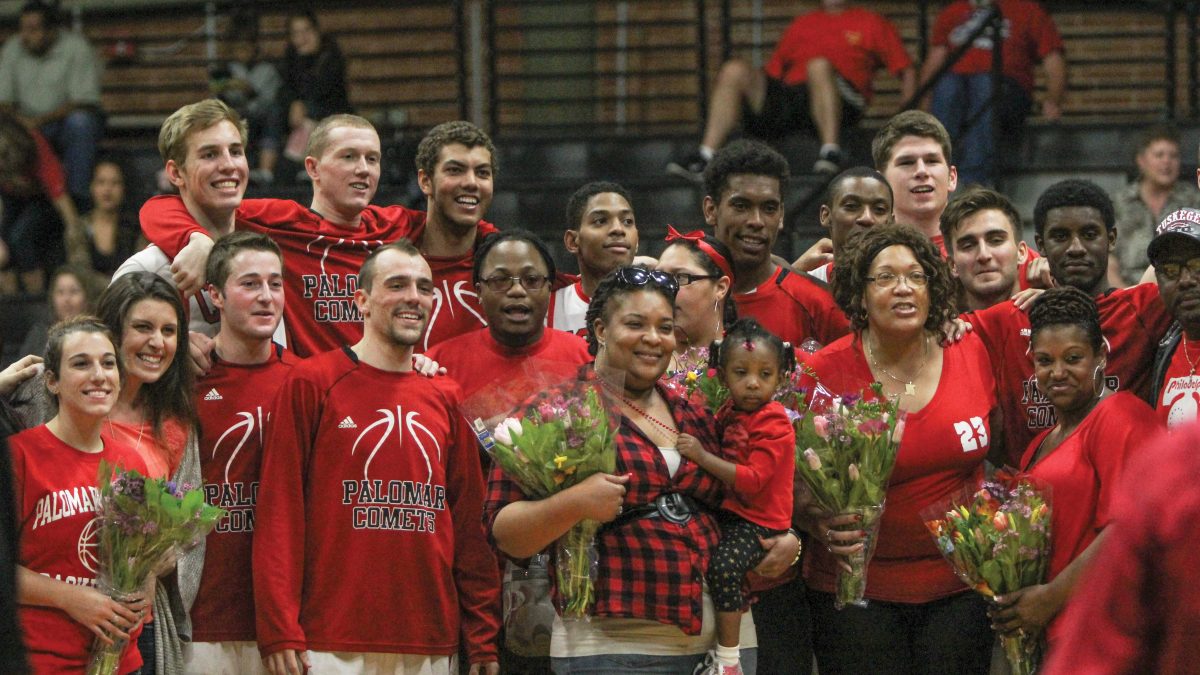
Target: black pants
x,y
784,627
738,552
950,636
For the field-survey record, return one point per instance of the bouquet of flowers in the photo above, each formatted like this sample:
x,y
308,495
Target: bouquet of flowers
x,y
698,383
997,540
145,524
845,451
549,445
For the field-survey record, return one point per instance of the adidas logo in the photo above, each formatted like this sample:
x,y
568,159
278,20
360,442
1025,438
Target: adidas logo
x,y
212,395
347,423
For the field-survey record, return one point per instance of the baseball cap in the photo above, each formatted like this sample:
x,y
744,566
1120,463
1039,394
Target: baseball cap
x,y
1178,225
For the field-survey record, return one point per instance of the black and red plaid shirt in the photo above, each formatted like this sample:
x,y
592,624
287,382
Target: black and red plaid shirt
x,y
649,568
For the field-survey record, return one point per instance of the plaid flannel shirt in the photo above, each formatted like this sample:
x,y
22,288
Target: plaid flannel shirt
x,y
649,568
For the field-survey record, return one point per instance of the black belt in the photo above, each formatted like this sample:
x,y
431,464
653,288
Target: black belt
x,y
673,507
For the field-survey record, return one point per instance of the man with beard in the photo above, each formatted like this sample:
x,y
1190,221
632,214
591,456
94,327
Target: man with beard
x,y
1175,254
369,512
602,234
743,203
981,232
324,244
1073,220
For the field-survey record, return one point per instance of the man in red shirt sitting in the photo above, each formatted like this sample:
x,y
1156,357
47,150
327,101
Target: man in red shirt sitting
x,y
818,80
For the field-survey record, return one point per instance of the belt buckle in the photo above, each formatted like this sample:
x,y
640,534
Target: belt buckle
x,y
673,508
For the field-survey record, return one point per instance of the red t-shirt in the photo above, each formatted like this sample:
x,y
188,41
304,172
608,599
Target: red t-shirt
x,y
322,260
856,41
233,403
1083,474
942,449
794,307
1178,401
1133,320
1029,36
763,446
56,495
480,364
369,533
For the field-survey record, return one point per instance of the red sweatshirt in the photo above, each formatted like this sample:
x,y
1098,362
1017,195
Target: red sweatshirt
x,y
763,445
369,535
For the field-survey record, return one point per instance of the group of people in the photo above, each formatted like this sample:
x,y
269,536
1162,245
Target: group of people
x,y
277,354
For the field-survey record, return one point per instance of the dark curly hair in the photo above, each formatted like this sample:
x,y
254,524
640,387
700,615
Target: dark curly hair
x,y
729,313
490,241
748,331
743,157
609,289
446,133
1073,192
1067,306
851,269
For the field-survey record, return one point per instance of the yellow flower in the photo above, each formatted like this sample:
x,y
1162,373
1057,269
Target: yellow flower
x,y
559,460
691,377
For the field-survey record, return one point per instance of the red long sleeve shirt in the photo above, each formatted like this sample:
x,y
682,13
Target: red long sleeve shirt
x,y
763,445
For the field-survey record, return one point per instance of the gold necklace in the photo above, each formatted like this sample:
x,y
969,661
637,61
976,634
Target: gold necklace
x,y
910,387
141,430
1186,355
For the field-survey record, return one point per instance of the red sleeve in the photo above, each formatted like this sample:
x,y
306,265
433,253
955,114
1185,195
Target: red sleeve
x,y
1119,436
279,537
167,223
274,214
890,48
1045,32
940,36
475,569
49,169
1151,311
777,66
772,441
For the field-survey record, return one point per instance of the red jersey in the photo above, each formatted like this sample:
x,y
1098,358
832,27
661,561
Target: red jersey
x,y
1138,605
1133,320
368,535
1029,36
942,449
763,446
322,261
56,495
478,363
794,307
1178,401
233,403
856,41
1083,473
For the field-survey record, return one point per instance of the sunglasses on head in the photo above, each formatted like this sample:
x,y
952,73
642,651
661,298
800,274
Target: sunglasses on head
x,y
636,276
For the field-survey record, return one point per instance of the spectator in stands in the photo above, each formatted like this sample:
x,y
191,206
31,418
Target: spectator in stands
x,y
314,81
51,79
963,93
1175,254
36,206
981,230
913,151
1140,206
73,291
818,81
109,233
251,86
602,234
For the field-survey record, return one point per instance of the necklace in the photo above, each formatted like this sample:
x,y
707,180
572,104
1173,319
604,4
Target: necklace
x,y
910,387
1191,364
141,429
670,432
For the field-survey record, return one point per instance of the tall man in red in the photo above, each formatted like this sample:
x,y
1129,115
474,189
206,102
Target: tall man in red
x,y
743,203
323,245
245,273
369,553
818,80
1075,229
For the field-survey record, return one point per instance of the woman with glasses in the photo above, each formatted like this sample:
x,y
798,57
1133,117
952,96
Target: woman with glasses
x,y
652,613
896,289
701,266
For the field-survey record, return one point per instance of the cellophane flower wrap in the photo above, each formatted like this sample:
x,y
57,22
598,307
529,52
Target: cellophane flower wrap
x,y
996,537
547,445
144,525
845,451
692,377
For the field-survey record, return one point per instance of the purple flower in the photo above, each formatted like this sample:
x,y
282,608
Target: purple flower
x,y
150,527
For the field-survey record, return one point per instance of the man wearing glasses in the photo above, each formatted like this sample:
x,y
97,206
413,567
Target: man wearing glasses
x,y
1175,254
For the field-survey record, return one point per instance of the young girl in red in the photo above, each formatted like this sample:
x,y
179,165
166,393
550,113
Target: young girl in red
x,y
54,474
759,442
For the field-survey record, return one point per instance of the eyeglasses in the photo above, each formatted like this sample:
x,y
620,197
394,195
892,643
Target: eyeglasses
x,y
886,280
1172,271
687,278
636,276
530,282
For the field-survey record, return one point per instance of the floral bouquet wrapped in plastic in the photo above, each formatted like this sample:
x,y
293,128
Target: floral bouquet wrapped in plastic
x,y
997,540
145,524
845,450
698,383
549,444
